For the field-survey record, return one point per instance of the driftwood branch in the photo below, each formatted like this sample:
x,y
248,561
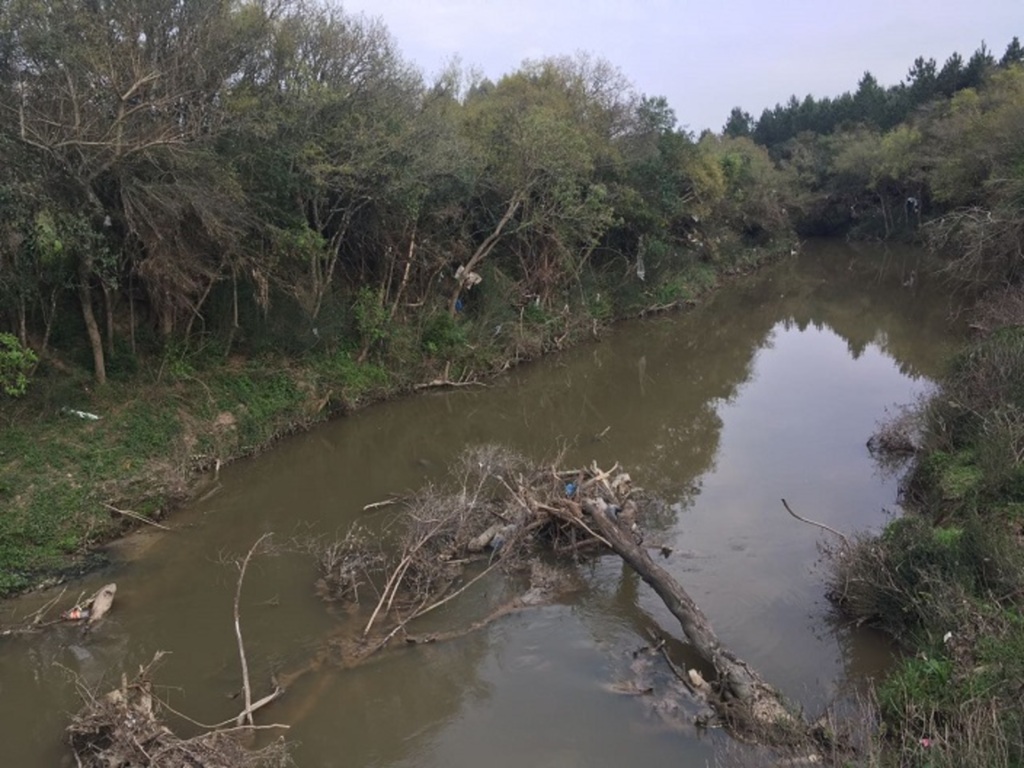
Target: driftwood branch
x,y
124,727
36,620
136,516
381,504
824,527
246,714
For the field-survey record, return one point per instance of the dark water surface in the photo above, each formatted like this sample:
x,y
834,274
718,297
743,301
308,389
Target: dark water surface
x,y
769,390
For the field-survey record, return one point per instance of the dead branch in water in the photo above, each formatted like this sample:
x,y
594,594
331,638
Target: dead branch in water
x,y
124,728
510,512
245,714
824,527
36,620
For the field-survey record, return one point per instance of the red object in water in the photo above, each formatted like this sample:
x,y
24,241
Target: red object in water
x,y
75,614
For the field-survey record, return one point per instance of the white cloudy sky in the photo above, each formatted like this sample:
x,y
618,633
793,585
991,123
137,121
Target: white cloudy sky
x,y
705,56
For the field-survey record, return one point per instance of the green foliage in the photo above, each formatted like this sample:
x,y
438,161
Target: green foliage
x,y
263,400
16,362
442,336
917,683
352,379
947,538
371,318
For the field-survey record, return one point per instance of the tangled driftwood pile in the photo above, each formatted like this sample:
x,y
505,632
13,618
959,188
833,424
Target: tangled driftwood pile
x,y
123,728
533,524
505,513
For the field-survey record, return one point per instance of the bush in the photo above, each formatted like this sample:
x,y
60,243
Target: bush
x,y
914,579
16,363
373,324
975,436
442,335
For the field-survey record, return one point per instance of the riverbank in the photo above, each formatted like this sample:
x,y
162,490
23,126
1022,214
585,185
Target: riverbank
x,y
81,465
946,579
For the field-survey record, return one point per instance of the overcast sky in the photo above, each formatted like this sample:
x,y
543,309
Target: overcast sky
x,y
705,56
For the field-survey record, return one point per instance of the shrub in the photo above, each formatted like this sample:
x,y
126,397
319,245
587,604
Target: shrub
x,y
442,335
16,363
914,579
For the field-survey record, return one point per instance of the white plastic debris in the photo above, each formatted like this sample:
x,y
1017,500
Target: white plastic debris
x,y
80,414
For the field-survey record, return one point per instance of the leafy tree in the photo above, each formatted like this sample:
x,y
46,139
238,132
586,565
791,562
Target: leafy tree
x,y
922,81
978,65
1014,54
121,103
538,138
740,123
951,75
870,101
342,141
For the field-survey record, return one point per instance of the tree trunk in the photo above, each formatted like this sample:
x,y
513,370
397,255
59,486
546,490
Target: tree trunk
x,y
885,214
22,324
483,250
743,697
108,306
95,339
405,274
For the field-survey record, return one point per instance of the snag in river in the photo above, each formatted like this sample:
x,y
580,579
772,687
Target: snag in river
x,y
507,514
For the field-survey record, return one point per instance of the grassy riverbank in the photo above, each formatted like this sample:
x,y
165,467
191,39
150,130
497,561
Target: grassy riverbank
x,y
947,579
65,475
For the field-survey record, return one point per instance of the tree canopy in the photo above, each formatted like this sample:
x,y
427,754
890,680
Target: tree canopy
x,y
262,169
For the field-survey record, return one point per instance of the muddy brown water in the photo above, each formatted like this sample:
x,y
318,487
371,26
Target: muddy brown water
x,y
769,390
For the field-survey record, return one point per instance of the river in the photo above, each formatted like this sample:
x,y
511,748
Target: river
x,y
768,390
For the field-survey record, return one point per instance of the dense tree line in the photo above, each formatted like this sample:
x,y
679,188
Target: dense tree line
x,y
937,158
871,104
274,168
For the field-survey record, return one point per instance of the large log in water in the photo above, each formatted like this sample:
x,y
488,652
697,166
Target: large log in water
x,y
515,510
742,696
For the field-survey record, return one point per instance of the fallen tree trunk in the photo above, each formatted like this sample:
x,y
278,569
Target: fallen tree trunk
x,y
514,510
740,694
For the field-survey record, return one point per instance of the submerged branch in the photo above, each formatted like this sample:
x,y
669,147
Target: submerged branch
x,y
824,527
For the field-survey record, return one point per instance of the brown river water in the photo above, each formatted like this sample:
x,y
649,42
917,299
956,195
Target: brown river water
x,y
768,390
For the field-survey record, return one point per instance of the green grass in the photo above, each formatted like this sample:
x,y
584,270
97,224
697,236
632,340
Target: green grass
x,y
948,578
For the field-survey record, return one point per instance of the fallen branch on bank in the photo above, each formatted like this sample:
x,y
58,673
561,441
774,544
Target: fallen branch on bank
x,y
445,381
136,516
89,611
